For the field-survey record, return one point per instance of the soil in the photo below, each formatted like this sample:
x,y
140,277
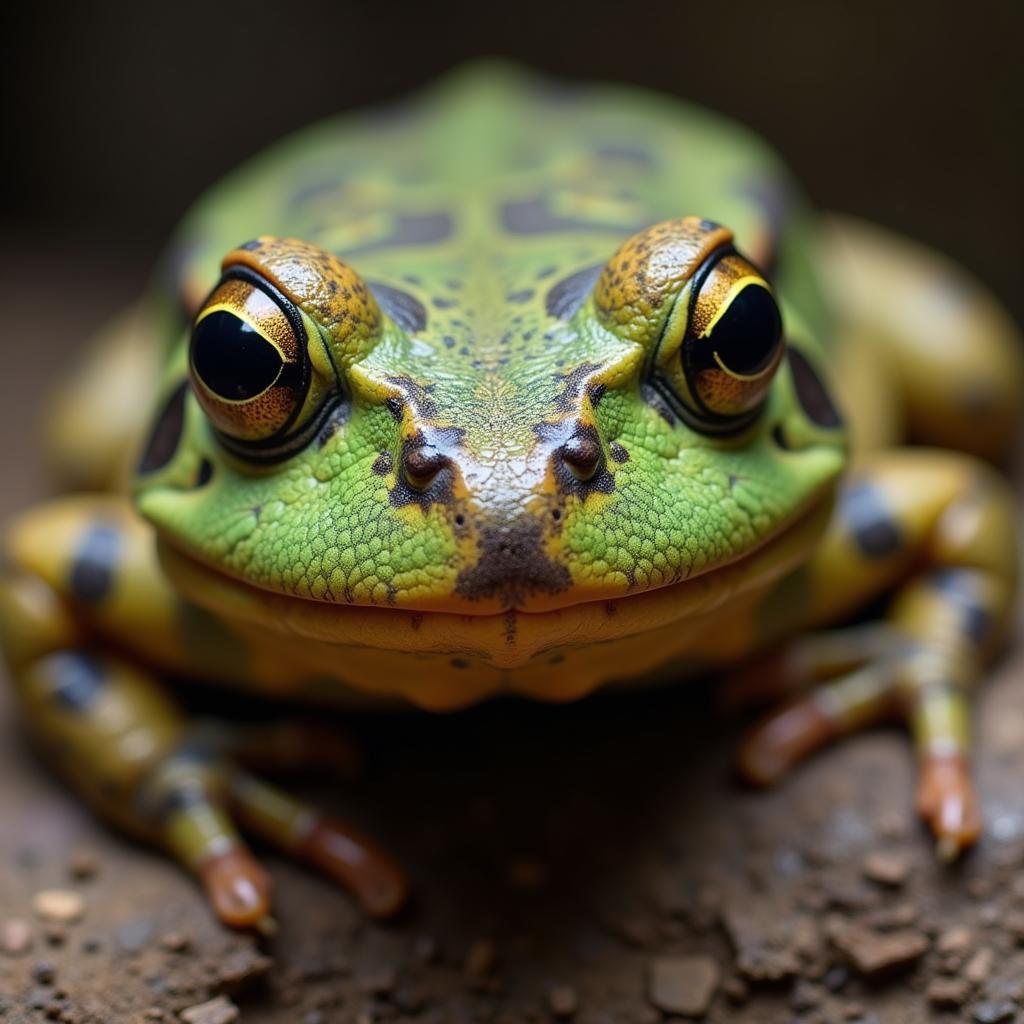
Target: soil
x,y
596,863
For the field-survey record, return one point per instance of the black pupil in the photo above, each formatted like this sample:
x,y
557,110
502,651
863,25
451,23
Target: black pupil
x,y
233,360
747,334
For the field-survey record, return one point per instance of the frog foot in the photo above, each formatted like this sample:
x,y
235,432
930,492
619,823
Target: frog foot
x,y
201,802
895,680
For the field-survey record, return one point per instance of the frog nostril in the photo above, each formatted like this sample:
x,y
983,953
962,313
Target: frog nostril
x,y
420,465
582,454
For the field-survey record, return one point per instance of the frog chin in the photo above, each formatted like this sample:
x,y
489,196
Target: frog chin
x,y
506,638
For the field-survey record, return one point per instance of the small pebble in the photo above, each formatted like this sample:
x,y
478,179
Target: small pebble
x,y
563,1001
1014,924
948,993
683,984
955,941
979,967
15,936
83,865
995,1012
175,942
481,958
889,869
44,972
736,990
214,1011
62,906
55,934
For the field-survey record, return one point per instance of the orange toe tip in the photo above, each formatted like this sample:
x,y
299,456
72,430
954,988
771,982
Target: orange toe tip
x,y
385,896
238,888
760,765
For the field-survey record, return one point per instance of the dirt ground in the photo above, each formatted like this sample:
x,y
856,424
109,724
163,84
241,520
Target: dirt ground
x,y
595,863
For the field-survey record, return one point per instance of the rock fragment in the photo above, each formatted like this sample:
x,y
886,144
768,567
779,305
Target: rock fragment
x,y
683,984
948,993
15,936
480,959
214,1011
874,955
62,906
83,864
994,1012
979,967
888,869
563,1001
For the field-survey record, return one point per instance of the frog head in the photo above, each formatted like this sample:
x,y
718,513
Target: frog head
x,y
651,428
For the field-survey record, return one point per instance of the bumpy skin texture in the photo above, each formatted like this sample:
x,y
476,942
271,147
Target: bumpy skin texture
x,y
495,459
481,223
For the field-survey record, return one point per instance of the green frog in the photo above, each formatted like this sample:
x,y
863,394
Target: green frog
x,y
512,388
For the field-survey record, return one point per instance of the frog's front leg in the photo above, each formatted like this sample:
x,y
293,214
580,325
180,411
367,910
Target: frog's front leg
x,y
114,732
937,530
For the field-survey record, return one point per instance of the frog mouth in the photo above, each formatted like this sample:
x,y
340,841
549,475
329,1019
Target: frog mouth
x,y
506,638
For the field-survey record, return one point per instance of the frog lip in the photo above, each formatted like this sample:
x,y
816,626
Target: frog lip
x,y
506,637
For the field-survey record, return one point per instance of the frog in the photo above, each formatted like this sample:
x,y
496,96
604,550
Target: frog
x,y
512,388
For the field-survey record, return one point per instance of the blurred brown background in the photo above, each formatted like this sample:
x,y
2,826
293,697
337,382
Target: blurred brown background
x,y
116,115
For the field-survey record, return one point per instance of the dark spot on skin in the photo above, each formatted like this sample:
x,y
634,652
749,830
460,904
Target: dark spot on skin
x,y
459,663
533,217
961,588
512,564
709,225
417,395
257,511
460,520
863,510
440,302
566,296
382,464
166,432
595,393
205,474
187,796
253,245
546,272
410,229
556,659
449,341
574,381
94,563
406,310
336,419
618,452
623,151
313,190
653,397
395,406
77,679
521,296
811,392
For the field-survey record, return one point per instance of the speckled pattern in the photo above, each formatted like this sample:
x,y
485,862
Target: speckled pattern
x,y
545,470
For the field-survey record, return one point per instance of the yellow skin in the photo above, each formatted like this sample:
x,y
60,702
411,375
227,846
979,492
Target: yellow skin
x,y
492,401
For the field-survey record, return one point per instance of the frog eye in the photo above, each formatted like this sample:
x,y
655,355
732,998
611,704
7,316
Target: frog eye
x,y
250,364
731,342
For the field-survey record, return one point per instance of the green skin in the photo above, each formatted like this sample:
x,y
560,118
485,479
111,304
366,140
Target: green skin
x,y
495,361
502,480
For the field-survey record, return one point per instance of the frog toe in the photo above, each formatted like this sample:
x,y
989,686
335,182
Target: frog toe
x,y
335,848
